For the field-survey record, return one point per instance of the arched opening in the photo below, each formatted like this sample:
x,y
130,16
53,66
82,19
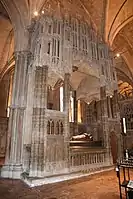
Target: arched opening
x,y
52,128
7,63
85,106
61,128
55,96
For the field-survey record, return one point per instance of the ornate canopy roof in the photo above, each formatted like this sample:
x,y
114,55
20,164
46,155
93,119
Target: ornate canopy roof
x,y
112,19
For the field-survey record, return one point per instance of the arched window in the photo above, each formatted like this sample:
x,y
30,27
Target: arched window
x,y
48,127
48,51
61,128
52,127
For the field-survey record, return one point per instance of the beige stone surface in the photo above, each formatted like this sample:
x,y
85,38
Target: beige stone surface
x,y
99,186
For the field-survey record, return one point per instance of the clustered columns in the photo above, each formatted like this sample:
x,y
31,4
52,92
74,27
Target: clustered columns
x,y
105,125
13,162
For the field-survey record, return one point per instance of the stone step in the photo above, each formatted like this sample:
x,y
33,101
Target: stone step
x,y
33,182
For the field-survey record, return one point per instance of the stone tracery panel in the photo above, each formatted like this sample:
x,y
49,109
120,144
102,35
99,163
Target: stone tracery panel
x,y
55,153
55,127
68,40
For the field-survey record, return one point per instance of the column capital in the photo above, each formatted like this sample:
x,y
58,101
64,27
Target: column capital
x,y
42,67
17,107
31,27
67,76
22,53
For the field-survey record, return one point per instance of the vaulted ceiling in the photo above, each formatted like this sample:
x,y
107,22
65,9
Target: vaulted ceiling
x,y
118,14
125,89
118,33
112,18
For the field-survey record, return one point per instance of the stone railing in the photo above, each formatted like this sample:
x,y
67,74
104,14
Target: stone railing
x,y
87,161
3,135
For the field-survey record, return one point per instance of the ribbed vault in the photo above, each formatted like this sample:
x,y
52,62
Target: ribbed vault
x,y
118,14
118,33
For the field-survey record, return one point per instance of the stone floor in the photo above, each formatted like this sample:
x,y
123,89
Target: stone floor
x,y
99,186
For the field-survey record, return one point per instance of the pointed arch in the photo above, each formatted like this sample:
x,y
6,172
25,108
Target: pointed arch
x,y
19,16
61,128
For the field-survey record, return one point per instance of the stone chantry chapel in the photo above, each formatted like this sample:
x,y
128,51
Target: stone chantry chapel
x,y
66,82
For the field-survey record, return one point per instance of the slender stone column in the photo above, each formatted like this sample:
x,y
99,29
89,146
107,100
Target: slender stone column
x,y
39,123
109,106
66,123
75,114
66,92
117,118
13,163
116,107
105,125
